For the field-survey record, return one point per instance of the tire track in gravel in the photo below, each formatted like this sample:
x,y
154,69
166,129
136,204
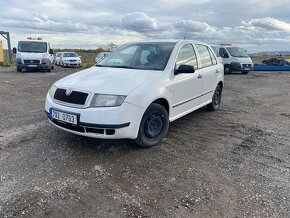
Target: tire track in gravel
x,y
20,134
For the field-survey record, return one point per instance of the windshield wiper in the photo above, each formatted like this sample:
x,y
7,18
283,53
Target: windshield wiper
x,y
113,66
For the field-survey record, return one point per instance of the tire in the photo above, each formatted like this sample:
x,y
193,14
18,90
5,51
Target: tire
x,y
227,69
245,72
153,127
216,99
19,69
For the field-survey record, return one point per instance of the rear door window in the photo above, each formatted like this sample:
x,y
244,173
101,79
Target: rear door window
x,y
205,57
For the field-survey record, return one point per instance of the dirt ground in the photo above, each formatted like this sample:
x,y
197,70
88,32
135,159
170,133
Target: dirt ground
x,y
234,162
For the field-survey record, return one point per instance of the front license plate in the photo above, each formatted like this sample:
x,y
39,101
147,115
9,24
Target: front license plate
x,y
64,117
247,68
32,65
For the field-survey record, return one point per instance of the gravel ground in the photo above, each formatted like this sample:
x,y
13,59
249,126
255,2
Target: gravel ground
x,y
234,162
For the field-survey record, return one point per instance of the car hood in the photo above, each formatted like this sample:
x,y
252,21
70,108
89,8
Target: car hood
x,y
105,80
71,58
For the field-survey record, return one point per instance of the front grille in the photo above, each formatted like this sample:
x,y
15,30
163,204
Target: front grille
x,y
75,97
247,65
31,61
72,60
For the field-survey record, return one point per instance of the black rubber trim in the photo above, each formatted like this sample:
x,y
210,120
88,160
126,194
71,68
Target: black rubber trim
x,y
104,126
100,126
191,99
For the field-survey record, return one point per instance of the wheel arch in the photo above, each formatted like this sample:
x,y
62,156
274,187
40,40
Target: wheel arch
x,y
221,84
163,102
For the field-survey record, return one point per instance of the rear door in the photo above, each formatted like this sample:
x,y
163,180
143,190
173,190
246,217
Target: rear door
x,y
187,86
210,72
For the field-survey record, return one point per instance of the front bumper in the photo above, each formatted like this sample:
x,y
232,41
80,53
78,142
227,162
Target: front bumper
x,y
236,66
106,122
72,64
44,66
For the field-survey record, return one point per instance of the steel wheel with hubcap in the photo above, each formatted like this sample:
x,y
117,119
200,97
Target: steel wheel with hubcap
x,y
216,99
154,126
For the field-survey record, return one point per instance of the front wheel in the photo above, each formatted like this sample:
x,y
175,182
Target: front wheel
x,y
153,127
227,69
19,69
245,72
216,99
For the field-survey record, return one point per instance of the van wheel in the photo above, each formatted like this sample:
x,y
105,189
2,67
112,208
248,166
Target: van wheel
x,y
216,99
227,69
153,127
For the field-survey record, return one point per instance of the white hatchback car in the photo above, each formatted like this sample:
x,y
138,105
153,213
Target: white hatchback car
x,y
57,58
137,90
70,59
101,56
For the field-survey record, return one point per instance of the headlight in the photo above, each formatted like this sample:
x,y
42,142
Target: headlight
x,y
107,100
52,91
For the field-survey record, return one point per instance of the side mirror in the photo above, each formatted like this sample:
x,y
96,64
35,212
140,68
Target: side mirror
x,y
14,50
50,51
80,56
225,56
184,69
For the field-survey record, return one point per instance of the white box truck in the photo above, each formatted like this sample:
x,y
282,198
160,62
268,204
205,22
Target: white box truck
x,y
234,58
34,54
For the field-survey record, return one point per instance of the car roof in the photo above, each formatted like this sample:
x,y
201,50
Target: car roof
x,y
170,40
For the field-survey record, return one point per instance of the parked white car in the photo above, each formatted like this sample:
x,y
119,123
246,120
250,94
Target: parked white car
x,y
57,58
136,91
101,56
70,59
235,59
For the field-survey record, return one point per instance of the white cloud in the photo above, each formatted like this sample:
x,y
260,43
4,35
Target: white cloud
x,y
89,24
139,21
268,24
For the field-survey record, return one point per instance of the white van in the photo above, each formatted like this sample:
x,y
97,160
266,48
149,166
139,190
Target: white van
x,y
34,54
234,58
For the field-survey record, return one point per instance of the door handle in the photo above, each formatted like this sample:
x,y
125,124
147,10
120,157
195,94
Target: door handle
x,y
199,76
217,71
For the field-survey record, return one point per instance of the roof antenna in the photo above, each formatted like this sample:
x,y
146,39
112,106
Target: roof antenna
x,y
186,31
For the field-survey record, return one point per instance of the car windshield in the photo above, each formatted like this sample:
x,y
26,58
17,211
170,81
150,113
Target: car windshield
x,y
145,56
35,47
237,52
70,54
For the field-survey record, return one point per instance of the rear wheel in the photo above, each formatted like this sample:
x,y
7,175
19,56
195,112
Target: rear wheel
x,y
216,99
154,126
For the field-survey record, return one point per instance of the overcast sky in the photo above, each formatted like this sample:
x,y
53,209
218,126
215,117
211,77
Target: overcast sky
x,y
257,25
